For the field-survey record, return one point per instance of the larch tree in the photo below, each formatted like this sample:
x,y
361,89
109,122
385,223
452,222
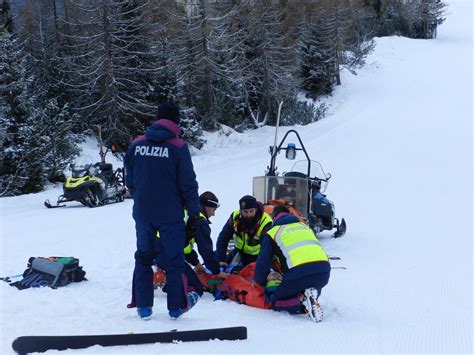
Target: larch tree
x,y
113,66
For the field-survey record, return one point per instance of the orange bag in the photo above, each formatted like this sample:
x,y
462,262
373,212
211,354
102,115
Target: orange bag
x,y
243,289
209,282
248,271
270,205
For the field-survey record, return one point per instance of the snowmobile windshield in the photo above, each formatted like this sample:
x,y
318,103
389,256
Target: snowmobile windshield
x,y
317,171
79,171
291,189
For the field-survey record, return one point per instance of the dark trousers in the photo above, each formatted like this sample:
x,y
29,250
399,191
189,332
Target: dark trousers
x,y
286,296
170,247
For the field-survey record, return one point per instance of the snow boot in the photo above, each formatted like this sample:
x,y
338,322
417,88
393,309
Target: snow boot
x,y
311,305
144,312
193,297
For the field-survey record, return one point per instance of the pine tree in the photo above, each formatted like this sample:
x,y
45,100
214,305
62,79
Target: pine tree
x,y
317,71
415,18
268,67
46,93
113,66
423,17
21,171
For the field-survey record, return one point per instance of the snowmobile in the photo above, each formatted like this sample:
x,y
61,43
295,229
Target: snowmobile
x,y
92,185
299,189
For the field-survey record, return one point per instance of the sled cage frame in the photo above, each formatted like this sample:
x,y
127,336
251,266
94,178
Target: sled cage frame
x,y
292,189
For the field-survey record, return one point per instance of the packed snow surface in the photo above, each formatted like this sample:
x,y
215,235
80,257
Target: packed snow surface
x,y
398,143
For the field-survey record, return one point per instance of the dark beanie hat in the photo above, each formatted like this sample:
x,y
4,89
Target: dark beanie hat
x,y
168,111
247,202
208,199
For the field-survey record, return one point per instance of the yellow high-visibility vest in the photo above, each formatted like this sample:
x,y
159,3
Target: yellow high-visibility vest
x,y
241,240
298,244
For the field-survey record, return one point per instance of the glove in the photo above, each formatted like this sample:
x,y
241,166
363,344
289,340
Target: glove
x,y
192,226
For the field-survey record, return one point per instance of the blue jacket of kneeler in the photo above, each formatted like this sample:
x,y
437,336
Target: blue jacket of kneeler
x,y
160,175
204,244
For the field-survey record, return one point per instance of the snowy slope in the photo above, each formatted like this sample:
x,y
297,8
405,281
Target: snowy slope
x,y
398,143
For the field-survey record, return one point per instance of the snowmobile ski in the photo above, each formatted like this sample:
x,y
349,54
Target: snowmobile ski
x,y
49,205
30,344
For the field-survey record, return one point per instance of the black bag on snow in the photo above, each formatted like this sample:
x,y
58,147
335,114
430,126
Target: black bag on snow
x,y
53,272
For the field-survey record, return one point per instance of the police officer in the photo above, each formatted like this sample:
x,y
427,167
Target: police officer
x,y
161,179
303,262
245,227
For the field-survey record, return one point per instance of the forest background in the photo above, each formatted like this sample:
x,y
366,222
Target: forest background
x,y
68,67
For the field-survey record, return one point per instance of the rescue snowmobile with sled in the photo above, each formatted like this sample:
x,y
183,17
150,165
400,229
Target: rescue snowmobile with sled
x,y
92,185
301,189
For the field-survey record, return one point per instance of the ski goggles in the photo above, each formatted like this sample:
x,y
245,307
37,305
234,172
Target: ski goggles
x,y
209,202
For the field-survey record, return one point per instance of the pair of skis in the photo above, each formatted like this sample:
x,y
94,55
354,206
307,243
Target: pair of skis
x,y
31,344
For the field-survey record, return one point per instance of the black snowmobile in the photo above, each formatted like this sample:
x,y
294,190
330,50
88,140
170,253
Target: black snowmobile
x,y
304,191
92,185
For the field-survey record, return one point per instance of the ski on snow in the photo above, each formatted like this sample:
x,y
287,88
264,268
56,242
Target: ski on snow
x,y
30,344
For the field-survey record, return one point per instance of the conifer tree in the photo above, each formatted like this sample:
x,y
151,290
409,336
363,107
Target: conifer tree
x,y
269,63
114,67
48,107
21,171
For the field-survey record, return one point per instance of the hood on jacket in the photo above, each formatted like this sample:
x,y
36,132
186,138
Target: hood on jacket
x,y
284,218
162,130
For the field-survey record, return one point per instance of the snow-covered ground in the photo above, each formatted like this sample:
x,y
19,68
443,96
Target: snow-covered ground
x,y
398,143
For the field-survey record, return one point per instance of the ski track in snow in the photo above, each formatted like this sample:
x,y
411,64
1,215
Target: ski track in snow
x,y
398,143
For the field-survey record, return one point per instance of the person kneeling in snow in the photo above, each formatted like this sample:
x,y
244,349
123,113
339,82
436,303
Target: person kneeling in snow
x,y
208,203
305,265
244,227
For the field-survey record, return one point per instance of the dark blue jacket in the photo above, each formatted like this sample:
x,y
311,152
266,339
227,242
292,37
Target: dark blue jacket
x,y
160,175
204,245
268,248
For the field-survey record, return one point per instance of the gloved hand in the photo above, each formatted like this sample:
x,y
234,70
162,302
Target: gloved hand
x,y
199,268
192,226
221,275
268,296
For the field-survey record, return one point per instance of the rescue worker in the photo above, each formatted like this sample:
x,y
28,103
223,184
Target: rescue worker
x,y
161,179
208,203
303,262
245,227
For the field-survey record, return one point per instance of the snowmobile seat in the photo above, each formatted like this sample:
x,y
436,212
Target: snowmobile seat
x,y
105,167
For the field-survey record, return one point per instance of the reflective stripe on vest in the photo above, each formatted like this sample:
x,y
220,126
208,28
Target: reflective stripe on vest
x,y
298,244
241,240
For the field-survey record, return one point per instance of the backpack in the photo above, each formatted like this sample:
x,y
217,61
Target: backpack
x,y
53,272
